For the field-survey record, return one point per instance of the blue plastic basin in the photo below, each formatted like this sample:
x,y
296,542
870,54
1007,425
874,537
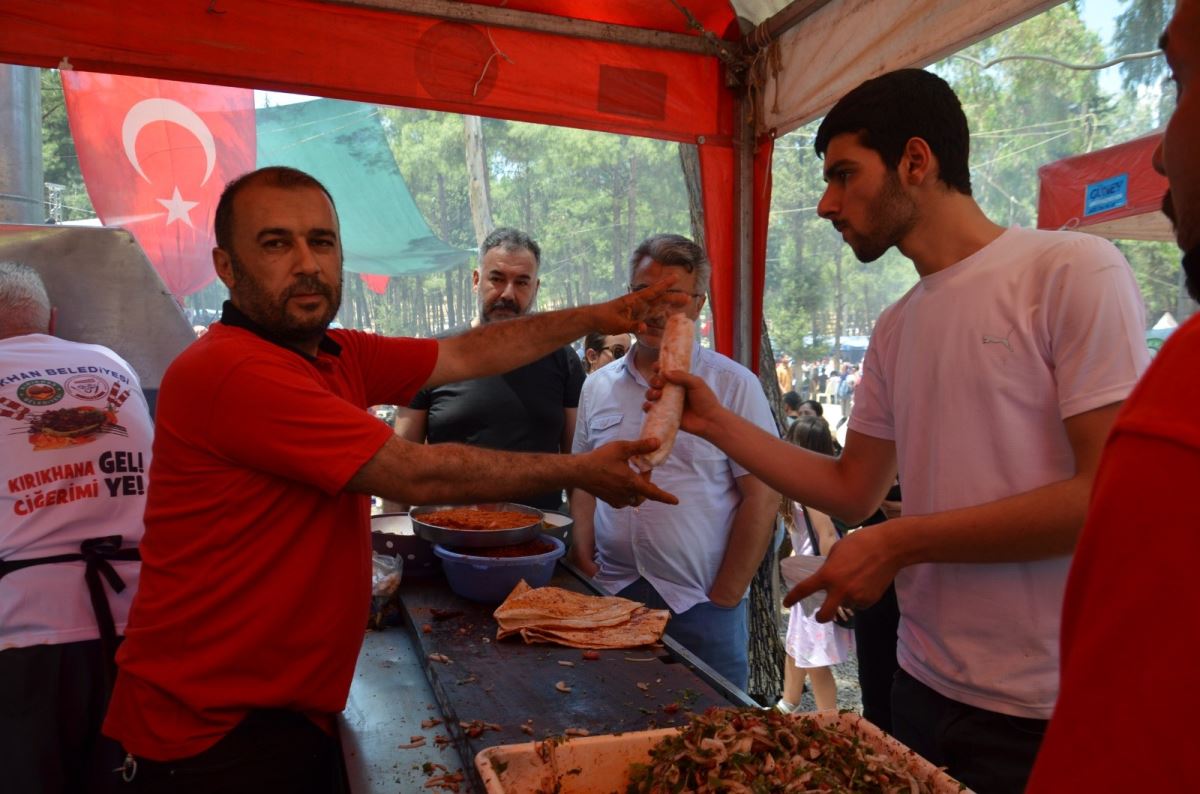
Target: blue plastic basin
x,y
491,579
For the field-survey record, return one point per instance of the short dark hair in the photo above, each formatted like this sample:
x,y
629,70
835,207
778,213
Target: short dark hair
x,y
792,400
273,175
811,432
512,239
676,250
888,110
594,341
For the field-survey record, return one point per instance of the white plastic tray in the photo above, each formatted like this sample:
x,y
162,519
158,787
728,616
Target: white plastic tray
x,y
600,764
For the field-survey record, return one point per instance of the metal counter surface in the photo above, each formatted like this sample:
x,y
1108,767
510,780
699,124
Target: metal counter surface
x,y
389,698
396,686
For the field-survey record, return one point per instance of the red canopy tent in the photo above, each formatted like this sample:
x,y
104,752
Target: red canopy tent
x,y
727,75
1114,193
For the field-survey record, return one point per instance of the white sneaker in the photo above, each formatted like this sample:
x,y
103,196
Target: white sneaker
x,y
783,707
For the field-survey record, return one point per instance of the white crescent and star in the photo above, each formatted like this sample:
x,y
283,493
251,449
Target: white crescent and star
x,y
159,109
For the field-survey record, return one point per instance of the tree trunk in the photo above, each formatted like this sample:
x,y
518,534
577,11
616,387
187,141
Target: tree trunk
x,y
444,230
766,650
615,236
689,161
421,316
477,178
630,216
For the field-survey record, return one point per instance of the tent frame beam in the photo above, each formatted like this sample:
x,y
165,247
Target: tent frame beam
x,y
542,23
786,19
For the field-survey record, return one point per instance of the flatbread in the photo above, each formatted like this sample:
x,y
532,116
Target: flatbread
x,y
554,605
644,627
564,617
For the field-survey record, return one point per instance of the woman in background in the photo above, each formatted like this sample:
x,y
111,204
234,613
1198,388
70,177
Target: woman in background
x,y
812,647
599,350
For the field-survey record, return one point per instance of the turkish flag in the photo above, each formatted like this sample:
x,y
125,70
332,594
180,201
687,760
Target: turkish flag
x,y
155,156
377,284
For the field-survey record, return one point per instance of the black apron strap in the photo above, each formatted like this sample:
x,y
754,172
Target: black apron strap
x,y
96,554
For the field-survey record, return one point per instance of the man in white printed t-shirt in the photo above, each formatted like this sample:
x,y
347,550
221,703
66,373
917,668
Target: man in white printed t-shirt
x,y
990,386
75,435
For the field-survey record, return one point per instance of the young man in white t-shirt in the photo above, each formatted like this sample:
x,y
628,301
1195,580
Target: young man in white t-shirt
x,y
990,386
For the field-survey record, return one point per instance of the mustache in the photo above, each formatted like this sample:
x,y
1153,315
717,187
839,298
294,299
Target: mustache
x,y
503,304
309,285
1168,207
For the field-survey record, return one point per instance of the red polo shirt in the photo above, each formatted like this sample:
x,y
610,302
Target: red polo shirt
x,y
255,580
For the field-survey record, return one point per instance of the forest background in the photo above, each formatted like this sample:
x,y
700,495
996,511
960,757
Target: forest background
x,y
590,197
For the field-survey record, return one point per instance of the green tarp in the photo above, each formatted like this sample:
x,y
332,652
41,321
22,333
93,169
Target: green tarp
x,y
343,145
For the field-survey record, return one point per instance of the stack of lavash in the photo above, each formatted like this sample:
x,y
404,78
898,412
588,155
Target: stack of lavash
x,y
562,617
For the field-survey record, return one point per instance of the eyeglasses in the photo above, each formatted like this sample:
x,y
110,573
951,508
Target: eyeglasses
x,y
618,351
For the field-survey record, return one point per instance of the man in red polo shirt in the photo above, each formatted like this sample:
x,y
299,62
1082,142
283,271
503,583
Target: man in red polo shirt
x,y
256,558
1126,713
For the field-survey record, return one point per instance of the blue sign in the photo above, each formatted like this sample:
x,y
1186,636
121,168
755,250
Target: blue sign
x,y
1106,195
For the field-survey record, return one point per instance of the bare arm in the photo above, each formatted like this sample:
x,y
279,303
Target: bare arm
x,y
1037,524
568,438
428,474
850,486
493,348
410,425
583,534
749,537
568,432
824,530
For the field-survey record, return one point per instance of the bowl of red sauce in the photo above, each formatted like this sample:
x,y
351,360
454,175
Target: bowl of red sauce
x,y
489,574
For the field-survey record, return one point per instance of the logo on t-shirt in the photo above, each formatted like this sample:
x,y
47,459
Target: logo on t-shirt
x,y
988,339
59,428
86,387
39,392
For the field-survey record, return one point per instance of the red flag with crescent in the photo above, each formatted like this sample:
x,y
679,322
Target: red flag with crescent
x,y
155,156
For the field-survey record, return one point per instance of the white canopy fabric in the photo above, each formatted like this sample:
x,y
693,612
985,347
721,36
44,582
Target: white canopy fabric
x,y
849,41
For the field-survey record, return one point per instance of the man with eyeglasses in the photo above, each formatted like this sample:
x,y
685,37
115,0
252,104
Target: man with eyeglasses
x,y
530,409
696,559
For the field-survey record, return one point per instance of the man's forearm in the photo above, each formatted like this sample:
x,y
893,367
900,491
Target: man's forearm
x,y
1034,525
583,533
425,474
495,348
837,486
749,537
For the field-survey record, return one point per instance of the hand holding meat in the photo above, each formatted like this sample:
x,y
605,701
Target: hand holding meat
x,y
661,420
608,476
701,409
858,570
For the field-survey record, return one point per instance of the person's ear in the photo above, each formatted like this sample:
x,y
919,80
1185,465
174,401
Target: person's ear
x,y
223,264
475,280
917,163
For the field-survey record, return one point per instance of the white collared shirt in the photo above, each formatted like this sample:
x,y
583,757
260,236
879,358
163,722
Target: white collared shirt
x,y
677,548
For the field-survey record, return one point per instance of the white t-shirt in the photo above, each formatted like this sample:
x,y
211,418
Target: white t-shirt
x,y
971,374
677,548
75,435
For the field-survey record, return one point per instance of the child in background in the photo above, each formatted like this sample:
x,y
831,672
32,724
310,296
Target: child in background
x,y
812,647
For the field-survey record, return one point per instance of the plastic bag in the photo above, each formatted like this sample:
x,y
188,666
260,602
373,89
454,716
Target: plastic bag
x,y
385,584
796,569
